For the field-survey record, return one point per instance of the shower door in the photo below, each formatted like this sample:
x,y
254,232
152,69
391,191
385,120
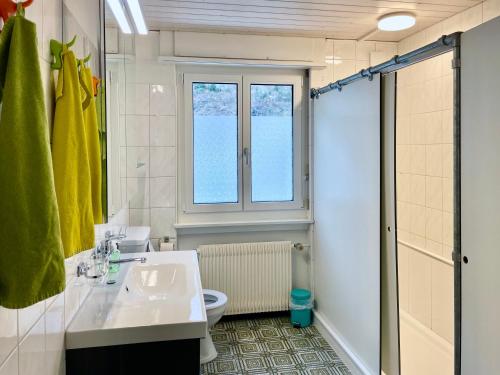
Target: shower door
x,y
347,219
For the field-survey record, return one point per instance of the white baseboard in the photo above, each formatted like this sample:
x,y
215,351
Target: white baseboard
x,y
338,343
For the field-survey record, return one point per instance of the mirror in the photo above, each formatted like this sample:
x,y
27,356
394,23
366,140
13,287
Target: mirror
x,y
84,20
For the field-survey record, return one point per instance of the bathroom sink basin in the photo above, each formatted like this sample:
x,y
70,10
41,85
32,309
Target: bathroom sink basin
x,y
159,300
157,282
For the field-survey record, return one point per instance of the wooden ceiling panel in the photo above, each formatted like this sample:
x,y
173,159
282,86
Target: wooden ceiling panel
x,y
340,19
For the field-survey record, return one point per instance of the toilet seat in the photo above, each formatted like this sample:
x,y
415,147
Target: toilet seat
x,y
213,299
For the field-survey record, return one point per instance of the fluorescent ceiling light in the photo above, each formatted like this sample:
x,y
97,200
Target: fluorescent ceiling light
x,y
396,21
135,10
119,13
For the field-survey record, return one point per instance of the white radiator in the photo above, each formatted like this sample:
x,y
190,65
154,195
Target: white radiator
x,y
256,277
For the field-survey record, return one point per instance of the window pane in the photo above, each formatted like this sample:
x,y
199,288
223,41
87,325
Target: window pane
x,y
215,131
272,142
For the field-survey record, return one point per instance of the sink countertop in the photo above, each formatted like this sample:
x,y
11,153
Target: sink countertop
x,y
159,300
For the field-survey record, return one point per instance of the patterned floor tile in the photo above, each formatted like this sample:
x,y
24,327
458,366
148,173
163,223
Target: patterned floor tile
x,y
263,346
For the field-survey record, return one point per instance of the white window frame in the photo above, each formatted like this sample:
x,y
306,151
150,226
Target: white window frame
x,y
297,201
189,79
244,82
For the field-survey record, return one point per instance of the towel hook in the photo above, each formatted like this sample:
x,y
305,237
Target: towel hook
x,y
56,49
9,7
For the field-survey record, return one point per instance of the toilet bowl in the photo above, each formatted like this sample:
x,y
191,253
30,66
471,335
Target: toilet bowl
x,y
215,304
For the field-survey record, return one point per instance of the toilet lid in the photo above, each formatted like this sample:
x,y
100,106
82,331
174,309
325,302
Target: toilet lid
x,y
213,299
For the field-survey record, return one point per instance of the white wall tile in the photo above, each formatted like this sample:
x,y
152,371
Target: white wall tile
x,y
139,217
417,189
434,225
71,302
434,160
433,127
8,332
420,287
123,130
163,192
417,220
28,316
35,14
163,162
52,25
138,162
403,130
163,100
138,192
442,300
32,350
137,99
447,160
11,365
403,276
403,159
447,125
147,47
434,247
434,192
448,229
418,129
344,49
163,130
447,91
363,50
403,187
417,240
137,130
54,337
417,159
343,69
448,194
403,216
162,221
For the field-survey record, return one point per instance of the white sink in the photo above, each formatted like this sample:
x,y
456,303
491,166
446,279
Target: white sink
x,y
159,300
157,282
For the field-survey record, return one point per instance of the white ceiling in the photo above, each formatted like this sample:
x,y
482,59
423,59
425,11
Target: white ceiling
x,y
339,19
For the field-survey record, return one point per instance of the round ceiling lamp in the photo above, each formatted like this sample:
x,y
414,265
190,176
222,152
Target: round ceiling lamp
x,y
396,21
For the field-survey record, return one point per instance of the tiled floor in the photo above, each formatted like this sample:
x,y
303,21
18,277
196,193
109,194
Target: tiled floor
x,y
271,346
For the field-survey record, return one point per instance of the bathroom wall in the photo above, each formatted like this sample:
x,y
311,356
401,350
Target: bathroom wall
x,y
424,183
32,339
147,125
346,57
425,176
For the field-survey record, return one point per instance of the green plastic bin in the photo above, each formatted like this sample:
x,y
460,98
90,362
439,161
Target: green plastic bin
x,y
301,305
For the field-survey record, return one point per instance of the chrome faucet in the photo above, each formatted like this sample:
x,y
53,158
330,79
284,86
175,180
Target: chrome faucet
x,y
101,252
126,260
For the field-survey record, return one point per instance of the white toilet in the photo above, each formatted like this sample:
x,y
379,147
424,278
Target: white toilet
x,y
215,304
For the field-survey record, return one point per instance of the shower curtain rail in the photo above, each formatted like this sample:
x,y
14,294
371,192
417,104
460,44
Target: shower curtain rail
x,y
444,44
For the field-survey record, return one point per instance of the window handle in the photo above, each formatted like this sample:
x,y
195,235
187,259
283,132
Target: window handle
x,y
246,155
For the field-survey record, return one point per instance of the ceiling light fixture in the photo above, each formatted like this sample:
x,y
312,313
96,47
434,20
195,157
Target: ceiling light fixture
x,y
119,13
396,21
136,12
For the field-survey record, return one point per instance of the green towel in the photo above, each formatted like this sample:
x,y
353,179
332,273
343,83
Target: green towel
x,y
71,161
31,253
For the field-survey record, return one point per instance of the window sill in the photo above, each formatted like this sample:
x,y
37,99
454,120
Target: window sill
x,y
242,226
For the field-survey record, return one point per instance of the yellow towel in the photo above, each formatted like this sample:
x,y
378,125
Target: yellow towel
x,y
93,147
71,161
31,254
